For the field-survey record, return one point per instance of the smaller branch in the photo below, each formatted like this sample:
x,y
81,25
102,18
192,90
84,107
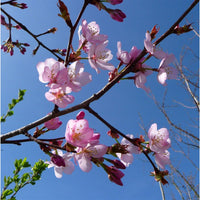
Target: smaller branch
x,y
170,31
120,133
189,89
72,30
7,2
40,142
30,33
18,142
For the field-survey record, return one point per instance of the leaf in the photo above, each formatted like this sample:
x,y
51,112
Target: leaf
x,y
10,113
7,192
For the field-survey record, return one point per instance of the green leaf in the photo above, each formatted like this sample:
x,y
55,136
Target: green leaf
x,y
21,93
10,113
25,164
7,181
7,192
14,101
25,177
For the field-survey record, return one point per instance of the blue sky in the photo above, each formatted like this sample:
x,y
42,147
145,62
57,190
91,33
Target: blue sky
x,y
124,106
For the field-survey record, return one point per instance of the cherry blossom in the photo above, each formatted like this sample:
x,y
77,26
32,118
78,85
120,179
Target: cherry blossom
x,y
90,33
78,132
53,124
127,158
162,159
98,57
84,155
159,139
59,97
152,49
123,56
48,70
140,78
61,163
77,76
165,71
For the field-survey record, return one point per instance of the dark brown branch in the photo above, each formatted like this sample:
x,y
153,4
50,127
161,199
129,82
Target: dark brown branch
x,y
30,33
72,32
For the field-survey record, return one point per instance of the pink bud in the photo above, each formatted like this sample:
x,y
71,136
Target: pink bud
x,y
80,115
117,15
58,160
53,124
115,2
118,164
115,175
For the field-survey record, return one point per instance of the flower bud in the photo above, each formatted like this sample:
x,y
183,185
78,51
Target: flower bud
x,y
116,14
58,160
118,164
53,124
80,115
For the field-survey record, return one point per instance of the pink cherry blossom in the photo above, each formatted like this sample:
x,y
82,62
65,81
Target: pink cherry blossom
x,y
48,71
78,132
162,159
127,158
90,35
152,49
84,155
59,97
61,163
159,140
99,56
140,78
77,76
123,56
165,71
53,123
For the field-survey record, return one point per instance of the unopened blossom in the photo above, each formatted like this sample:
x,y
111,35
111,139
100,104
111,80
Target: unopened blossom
x,y
53,124
61,163
84,155
114,175
151,48
78,132
162,159
99,56
159,140
165,71
114,2
80,115
59,97
116,14
77,76
127,158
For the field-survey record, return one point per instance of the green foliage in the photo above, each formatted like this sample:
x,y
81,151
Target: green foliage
x,y
19,180
10,112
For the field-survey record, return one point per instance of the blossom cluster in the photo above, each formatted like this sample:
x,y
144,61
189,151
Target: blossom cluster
x,y
83,147
141,69
63,80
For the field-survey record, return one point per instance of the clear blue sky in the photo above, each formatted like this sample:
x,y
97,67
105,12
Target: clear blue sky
x,y
125,106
